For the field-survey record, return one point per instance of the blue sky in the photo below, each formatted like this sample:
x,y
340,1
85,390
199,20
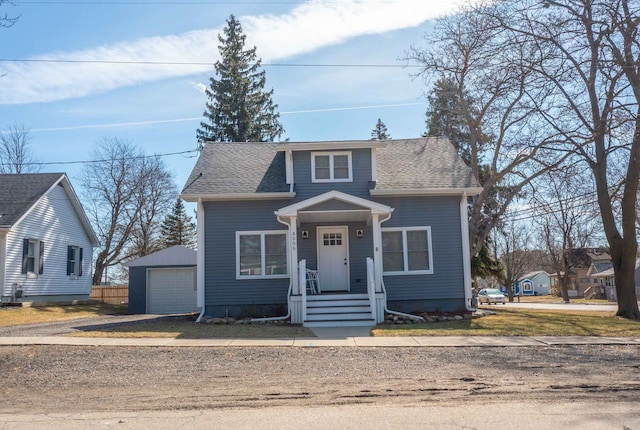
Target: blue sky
x,y
70,106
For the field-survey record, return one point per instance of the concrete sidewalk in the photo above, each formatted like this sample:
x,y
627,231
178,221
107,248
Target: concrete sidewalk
x,y
330,341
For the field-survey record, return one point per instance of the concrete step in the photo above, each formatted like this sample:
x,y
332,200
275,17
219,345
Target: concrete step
x,y
341,323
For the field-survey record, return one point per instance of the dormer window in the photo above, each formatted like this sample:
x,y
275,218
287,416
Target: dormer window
x,y
331,167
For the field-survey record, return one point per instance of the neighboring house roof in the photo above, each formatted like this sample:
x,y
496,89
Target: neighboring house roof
x,y
19,194
428,163
609,272
532,275
176,255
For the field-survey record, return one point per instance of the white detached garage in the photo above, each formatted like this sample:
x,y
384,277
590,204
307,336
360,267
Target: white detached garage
x,y
163,282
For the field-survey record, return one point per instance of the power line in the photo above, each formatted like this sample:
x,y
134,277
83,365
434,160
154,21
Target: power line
x,y
140,157
195,63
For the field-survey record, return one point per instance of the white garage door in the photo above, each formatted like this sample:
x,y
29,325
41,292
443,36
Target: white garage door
x,y
171,291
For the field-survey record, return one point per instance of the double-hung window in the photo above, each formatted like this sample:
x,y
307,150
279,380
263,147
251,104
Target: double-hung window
x,y
261,254
407,251
331,167
32,257
74,261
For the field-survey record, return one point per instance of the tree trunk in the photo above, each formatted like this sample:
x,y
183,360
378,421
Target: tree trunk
x,y
624,265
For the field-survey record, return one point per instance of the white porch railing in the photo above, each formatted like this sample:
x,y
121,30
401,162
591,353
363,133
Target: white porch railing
x,y
302,273
371,288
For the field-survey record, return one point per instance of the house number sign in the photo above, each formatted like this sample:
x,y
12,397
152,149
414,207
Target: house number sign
x,y
294,240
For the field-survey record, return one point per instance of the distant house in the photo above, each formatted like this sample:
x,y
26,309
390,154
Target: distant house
x,y
606,283
46,240
332,233
536,283
585,262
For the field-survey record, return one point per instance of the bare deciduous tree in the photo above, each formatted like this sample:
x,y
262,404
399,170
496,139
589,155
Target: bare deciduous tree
x,y
15,151
567,216
124,192
490,93
511,246
5,19
587,53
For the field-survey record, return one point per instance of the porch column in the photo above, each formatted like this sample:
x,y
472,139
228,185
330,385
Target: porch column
x,y
293,251
377,251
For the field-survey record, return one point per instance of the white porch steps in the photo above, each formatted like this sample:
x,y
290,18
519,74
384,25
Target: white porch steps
x,y
339,310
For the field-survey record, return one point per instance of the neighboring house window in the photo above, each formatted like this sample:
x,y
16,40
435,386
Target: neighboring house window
x,y
32,257
261,254
74,261
407,251
331,167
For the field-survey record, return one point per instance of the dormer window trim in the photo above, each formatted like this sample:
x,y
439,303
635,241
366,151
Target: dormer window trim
x,y
331,167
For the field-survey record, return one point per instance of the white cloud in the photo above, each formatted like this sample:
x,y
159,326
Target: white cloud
x,y
309,26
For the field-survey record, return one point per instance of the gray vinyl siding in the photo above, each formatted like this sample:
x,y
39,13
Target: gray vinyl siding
x,y
359,250
223,292
304,188
54,221
442,214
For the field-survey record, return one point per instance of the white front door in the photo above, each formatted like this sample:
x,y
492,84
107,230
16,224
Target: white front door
x,y
333,258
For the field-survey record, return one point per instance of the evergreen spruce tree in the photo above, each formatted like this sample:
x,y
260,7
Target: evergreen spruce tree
x,y
238,110
380,131
445,116
178,228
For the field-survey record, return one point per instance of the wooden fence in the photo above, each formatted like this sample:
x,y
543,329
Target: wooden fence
x,y
113,294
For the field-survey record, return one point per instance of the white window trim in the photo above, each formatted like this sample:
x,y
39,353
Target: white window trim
x,y
405,258
262,234
331,172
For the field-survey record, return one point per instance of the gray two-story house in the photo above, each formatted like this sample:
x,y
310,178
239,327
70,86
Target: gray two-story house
x,y
332,233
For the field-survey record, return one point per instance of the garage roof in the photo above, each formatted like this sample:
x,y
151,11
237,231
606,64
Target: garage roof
x,y
177,255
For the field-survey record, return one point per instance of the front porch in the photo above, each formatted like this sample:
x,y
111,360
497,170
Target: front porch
x,y
335,239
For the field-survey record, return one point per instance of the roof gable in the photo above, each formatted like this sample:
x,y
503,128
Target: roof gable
x,y
20,193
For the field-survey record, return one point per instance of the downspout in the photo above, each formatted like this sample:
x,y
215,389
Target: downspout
x,y
200,256
466,254
384,290
288,315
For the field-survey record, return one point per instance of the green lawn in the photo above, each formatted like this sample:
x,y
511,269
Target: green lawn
x,y
522,322
11,315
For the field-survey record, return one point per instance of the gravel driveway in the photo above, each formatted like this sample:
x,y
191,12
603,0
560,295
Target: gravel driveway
x,y
43,379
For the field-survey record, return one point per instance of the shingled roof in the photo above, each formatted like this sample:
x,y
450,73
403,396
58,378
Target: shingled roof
x,y
428,163
18,193
238,168
406,164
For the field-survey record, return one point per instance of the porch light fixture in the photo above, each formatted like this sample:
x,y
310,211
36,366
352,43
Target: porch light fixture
x,y
305,234
359,234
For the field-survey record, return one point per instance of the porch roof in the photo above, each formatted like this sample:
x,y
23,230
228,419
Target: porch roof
x,y
351,208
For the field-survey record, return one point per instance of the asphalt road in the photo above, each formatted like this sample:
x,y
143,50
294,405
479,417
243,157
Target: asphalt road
x,y
523,415
559,306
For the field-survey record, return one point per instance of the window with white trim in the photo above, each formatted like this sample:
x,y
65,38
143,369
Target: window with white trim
x,y
331,167
407,251
261,254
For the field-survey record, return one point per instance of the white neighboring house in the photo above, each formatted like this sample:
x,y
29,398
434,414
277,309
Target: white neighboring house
x,y
606,280
46,240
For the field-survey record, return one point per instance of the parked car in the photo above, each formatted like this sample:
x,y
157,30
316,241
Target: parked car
x,y
490,295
